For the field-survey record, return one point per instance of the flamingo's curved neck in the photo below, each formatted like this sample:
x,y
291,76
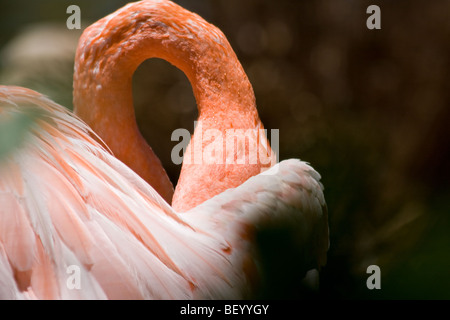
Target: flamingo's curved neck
x,y
111,50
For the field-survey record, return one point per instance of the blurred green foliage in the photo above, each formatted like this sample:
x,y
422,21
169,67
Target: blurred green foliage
x,y
369,109
14,128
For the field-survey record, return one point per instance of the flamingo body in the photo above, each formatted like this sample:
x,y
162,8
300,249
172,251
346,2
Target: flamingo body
x,y
67,203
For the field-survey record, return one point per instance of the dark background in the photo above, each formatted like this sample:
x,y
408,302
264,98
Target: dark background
x,y
369,109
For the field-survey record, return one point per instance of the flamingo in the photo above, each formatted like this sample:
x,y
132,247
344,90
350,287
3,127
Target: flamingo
x,y
85,193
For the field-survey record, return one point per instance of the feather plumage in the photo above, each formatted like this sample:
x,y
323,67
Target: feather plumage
x,y
66,200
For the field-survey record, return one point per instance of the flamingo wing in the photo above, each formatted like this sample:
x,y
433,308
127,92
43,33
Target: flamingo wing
x,y
67,204
66,201
287,198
